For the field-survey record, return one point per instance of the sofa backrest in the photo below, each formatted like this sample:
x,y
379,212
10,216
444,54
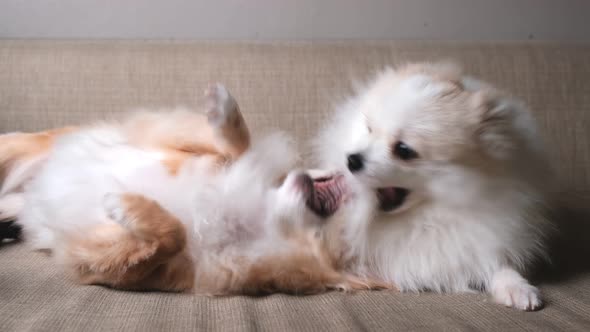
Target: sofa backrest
x,y
289,86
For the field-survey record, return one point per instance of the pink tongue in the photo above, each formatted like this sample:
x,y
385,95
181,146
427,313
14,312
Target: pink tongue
x,y
327,196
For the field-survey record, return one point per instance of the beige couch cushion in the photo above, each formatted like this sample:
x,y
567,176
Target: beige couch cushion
x,y
279,86
34,295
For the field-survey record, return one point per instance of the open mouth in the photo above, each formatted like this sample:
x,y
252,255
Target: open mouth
x,y
327,195
391,198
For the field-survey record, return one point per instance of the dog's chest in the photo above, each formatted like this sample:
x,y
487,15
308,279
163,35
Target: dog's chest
x,y
422,254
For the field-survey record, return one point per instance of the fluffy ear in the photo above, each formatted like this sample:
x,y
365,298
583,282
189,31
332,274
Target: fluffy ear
x,y
503,123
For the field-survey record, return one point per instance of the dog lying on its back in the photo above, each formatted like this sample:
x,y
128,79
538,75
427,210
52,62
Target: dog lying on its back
x,y
173,201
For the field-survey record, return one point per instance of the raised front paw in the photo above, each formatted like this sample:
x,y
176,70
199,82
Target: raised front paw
x,y
221,107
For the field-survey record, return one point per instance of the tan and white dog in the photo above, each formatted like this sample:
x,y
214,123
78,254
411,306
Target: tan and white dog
x,y
457,176
172,201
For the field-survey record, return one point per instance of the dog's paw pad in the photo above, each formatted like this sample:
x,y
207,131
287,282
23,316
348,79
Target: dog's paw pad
x,y
519,296
115,208
221,105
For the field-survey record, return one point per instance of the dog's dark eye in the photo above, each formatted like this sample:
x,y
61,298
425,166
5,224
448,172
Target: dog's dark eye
x,y
403,151
369,129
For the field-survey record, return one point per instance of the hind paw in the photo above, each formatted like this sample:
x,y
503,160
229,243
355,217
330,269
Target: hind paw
x,y
221,107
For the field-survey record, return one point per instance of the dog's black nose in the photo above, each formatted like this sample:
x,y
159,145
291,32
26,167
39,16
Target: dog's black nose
x,y
355,162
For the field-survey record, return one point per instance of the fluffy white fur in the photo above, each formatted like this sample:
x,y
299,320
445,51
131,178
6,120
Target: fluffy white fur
x,y
236,214
474,217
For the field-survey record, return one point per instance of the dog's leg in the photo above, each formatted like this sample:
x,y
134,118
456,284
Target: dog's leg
x,y
142,254
146,220
224,116
509,288
220,133
176,274
301,273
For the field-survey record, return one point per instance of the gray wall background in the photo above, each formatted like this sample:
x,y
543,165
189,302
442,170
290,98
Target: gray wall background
x,y
565,20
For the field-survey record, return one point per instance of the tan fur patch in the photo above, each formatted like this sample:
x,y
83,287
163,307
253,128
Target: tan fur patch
x,y
20,147
148,253
301,274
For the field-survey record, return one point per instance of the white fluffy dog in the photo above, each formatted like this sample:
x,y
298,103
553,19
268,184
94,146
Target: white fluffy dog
x,y
455,172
